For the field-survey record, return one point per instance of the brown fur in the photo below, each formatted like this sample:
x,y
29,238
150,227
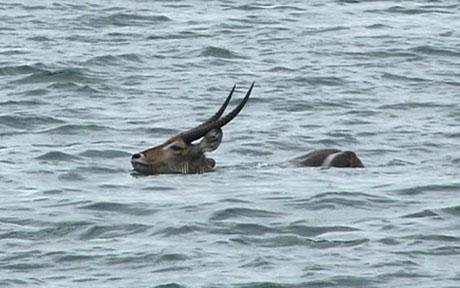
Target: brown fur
x,y
319,158
184,158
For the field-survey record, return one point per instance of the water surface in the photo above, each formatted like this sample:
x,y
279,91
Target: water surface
x,y
83,86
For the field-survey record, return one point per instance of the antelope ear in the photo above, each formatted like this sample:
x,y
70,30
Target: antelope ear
x,y
211,140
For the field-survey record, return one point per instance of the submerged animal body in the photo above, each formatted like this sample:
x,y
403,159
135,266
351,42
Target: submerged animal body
x,y
179,154
329,158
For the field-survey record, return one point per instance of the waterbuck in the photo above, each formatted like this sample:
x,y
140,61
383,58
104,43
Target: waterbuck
x,y
180,155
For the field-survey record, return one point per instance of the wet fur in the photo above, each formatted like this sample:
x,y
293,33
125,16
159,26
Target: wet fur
x,y
337,158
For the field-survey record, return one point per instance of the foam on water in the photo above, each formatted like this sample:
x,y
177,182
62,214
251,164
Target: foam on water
x,y
86,85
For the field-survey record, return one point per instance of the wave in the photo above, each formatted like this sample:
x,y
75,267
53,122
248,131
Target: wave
x,y
57,156
392,76
169,285
39,39
422,214
292,240
387,53
238,212
129,209
108,154
324,30
75,258
19,103
112,231
319,81
175,231
309,231
332,281
427,9
416,11
178,36
71,176
430,50
454,210
72,75
217,52
414,105
72,129
335,200
28,122
114,59
297,230
20,69
56,231
431,188
122,19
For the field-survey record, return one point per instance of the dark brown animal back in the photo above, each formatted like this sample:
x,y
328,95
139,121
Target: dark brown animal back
x,y
315,158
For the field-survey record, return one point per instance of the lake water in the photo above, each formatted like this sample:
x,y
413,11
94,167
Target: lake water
x,y
83,86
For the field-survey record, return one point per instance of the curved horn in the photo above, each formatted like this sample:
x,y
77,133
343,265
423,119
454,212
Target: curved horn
x,y
219,113
198,132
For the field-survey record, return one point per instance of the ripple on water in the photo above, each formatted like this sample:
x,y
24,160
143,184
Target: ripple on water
x,y
436,51
103,170
431,188
422,214
54,231
318,81
71,176
248,229
308,231
136,209
13,282
25,267
58,76
21,103
122,19
180,35
28,122
327,77
73,129
436,238
454,210
75,258
169,285
291,240
57,156
336,200
40,39
300,231
154,188
248,7
258,262
147,259
217,52
408,105
109,154
114,59
112,231
185,229
334,281
238,212
19,69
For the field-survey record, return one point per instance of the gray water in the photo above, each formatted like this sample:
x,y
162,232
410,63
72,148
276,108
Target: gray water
x,y
85,86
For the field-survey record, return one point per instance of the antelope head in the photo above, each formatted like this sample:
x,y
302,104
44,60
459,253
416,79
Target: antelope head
x,y
180,154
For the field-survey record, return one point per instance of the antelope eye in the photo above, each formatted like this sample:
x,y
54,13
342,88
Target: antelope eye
x,y
175,147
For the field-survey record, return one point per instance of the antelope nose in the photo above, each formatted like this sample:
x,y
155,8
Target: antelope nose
x,y
136,156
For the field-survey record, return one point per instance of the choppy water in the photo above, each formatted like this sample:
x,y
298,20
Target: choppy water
x,y
84,86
